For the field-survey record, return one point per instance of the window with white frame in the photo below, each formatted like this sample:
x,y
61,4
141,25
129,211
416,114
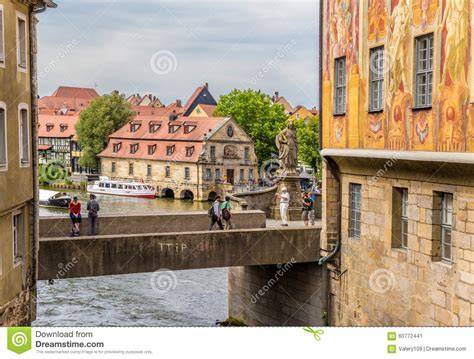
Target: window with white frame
x,y
340,86
376,79
424,71
24,135
2,37
3,137
355,205
400,218
21,41
446,226
18,232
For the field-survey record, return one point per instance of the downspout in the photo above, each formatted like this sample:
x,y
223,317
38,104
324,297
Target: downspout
x,y
334,169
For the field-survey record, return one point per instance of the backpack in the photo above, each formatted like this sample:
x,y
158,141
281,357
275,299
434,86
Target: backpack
x,y
210,212
75,232
226,214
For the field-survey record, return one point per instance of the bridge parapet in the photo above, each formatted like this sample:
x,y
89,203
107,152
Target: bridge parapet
x,y
51,227
67,257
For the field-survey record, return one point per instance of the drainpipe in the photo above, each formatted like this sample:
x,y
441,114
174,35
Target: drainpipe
x,y
334,169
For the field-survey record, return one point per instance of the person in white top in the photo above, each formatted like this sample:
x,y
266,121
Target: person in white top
x,y
284,197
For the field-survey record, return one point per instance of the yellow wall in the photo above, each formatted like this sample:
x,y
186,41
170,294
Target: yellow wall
x,y
198,112
449,124
16,182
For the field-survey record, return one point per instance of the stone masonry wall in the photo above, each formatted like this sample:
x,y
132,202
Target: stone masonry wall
x,y
275,296
386,286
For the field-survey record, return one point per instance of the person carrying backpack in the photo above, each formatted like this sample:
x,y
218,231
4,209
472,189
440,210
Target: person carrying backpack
x,y
227,213
215,212
92,213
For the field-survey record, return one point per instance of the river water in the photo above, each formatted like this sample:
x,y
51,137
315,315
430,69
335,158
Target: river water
x,y
195,298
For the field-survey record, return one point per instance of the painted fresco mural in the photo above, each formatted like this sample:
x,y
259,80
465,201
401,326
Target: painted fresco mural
x,y
449,124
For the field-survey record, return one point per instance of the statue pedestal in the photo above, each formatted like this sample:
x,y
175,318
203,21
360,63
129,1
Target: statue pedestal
x,y
292,183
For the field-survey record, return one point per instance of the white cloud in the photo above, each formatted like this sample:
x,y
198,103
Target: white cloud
x,y
224,43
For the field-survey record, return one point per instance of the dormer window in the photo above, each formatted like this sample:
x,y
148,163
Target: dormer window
x,y
63,127
173,127
189,127
133,148
151,149
117,146
189,151
134,126
154,126
170,150
49,127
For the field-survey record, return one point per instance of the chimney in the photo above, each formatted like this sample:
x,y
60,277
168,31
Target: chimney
x,y
206,85
178,103
277,95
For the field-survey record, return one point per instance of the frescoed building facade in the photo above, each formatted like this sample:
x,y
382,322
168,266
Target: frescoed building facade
x,y
398,139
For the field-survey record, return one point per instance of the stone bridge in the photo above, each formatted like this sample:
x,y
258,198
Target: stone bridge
x,y
281,262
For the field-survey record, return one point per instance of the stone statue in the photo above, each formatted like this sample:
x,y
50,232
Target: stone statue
x,y
288,149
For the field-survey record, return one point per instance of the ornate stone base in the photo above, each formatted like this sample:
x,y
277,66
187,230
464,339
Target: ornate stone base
x,y
292,183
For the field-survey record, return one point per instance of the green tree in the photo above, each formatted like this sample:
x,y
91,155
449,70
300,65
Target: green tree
x,y
105,115
307,135
255,112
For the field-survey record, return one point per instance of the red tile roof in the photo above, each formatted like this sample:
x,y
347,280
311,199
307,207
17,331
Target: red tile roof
x,y
179,154
44,147
153,111
203,125
56,122
208,109
57,103
80,92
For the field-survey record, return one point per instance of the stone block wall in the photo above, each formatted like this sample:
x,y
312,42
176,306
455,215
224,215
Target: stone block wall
x,y
286,295
388,286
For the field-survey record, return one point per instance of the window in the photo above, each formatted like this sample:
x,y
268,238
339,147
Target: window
x,y
18,230
241,176
340,86
21,41
187,174
117,146
355,199
446,226
168,171
130,168
246,153
189,151
172,128
250,175
113,169
424,71
133,148
208,174
400,218
189,127
218,174
151,149
24,135
63,127
134,126
169,150
3,135
148,170
376,79
154,126
213,151
2,38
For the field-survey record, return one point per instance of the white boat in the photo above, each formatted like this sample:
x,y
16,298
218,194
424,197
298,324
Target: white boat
x,y
54,199
121,188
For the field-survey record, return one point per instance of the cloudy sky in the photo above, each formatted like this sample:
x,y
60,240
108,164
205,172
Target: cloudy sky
x,y
168,48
